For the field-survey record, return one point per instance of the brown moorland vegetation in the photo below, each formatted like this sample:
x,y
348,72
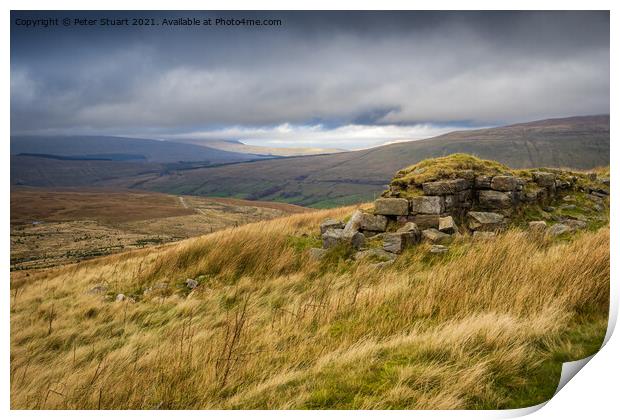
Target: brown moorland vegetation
x,y
486,325
53,227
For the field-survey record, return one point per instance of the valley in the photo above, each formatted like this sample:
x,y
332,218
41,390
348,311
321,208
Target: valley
x,y
55,227
332,180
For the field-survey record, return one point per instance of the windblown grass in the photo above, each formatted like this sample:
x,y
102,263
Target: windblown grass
x,y
484,326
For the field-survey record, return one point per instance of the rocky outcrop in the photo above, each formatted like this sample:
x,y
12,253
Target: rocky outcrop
x,y
436,199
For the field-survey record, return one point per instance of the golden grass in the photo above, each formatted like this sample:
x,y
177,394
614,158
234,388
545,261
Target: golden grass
x,y
270,328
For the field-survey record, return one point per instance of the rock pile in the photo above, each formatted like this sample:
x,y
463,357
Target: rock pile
x,y
479,202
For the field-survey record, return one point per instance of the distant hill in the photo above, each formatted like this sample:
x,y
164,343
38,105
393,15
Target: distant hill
x,y
122,148
325,181
343,178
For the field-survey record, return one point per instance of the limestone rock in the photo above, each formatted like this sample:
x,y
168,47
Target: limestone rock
x,y
331,224
435,236
485,221
373,222
427,205
409,227
446,187
354,223
332,237
447,225
120,297
504,183
398,241
494,199
392,206
191,283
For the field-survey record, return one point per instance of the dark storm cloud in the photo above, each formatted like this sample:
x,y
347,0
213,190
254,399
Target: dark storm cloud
x,y
334,69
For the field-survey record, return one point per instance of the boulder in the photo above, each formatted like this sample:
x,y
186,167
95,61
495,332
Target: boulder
x,y
191,283
396,242
316,253
447,225
410,227
544,179
333,237
537,226
331,224
485,221
504,183
446,187
559,229
354,223
392,206
375,253
438,249
492,199
120,297
373,222
435,236
427,205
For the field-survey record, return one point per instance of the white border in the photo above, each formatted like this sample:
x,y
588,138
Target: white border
x,y
593,393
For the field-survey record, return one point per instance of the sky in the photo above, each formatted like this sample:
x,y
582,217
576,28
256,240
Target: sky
x,y
346,80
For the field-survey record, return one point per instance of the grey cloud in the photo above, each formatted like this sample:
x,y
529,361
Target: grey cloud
x,y
403,68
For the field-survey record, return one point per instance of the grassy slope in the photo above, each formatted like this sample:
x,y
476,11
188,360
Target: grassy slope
x,y
485,326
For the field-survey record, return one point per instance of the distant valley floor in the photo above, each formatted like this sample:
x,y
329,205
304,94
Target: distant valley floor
x,y
55,227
